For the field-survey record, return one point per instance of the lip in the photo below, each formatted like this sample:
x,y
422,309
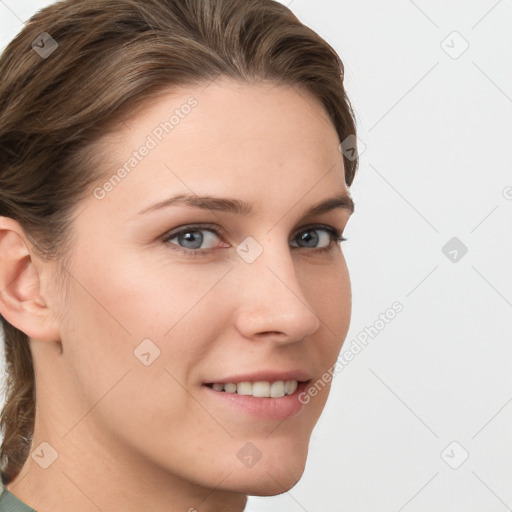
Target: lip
x,y
264,375
267,408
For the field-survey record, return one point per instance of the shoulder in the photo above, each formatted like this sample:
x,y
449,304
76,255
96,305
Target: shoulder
x,y
9,502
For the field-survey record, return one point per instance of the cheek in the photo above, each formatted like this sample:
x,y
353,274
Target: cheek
x,y
132,343
142,296
117,313
329,293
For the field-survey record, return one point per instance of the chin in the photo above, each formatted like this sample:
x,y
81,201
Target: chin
x,y
278,470
273,484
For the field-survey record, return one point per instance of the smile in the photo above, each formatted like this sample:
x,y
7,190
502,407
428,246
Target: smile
x,y
259,389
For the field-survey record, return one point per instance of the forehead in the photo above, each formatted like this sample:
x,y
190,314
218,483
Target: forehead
x,y
224,138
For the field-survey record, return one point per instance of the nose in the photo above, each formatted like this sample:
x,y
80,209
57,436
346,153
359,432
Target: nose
x,y
272,303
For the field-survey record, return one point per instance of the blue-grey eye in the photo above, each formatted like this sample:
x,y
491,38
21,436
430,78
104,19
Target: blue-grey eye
x,y
314,238
195,238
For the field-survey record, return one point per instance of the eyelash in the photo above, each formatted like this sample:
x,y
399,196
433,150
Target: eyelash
x,y
335,235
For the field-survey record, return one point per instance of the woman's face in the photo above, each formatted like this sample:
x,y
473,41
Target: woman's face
x,y
205,265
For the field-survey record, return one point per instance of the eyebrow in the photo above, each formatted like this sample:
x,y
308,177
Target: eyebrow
x,y
239,207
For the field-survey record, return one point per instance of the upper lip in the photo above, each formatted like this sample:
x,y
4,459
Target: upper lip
x,y
265,376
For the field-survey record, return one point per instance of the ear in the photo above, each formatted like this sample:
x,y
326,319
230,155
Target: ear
x,y
21,298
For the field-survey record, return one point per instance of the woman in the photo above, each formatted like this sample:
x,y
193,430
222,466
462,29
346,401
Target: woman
x,y
172,198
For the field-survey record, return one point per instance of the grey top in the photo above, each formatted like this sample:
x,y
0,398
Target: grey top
x,y
9,502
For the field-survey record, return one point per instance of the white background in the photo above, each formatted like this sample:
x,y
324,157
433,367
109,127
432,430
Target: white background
x,y
435,129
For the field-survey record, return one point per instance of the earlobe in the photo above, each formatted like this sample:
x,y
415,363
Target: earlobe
x,y
21,301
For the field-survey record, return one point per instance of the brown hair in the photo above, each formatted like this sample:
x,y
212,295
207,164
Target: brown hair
x,y
58,99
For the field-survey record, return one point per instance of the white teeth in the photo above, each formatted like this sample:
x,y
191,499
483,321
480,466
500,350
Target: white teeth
x,y
230,388
277,389
260,389
290,386
244,388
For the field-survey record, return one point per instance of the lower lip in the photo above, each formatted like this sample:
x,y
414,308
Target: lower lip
x,y
266,407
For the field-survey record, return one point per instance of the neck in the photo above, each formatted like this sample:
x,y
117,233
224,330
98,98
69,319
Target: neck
x,y
85,478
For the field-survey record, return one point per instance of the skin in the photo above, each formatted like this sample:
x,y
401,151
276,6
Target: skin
x,y
135,437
